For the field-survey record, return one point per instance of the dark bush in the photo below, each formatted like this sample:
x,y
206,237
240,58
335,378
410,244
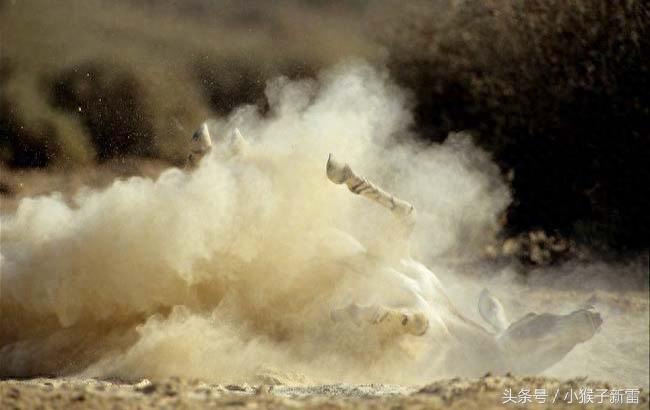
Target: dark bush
x,y
108,100
557,90
229,83
19,147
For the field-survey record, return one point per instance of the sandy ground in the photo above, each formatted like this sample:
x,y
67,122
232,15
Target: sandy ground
x,y
485,393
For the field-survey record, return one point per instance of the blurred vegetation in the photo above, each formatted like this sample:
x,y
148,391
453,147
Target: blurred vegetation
x,y
557,90
94,80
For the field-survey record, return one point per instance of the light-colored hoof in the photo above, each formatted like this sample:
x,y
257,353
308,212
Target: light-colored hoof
x,y
337,172
201,141
238,143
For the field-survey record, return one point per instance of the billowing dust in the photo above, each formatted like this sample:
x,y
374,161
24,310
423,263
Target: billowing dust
x,y
229,271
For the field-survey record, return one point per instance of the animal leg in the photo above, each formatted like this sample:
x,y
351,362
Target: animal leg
x,y
341,173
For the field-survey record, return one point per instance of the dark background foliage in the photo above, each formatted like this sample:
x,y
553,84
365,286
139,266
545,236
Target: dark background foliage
x,y
556,90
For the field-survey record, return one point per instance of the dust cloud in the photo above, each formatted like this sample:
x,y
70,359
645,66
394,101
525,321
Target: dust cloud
x,y
229,271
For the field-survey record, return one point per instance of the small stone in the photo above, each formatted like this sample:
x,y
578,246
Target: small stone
x,y
14,393
559,245
491,252
511,247
539,256
145,386
78,397
264,390
235,387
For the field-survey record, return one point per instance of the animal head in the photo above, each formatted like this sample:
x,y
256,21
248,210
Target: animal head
x,y
537,341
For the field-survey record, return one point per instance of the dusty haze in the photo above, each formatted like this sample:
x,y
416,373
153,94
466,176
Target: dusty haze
x,y
229,272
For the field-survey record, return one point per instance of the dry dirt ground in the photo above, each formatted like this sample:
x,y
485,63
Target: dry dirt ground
x,y
485,393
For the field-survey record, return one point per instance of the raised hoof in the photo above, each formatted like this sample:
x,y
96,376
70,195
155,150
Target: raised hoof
x,y
201,141
337,172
